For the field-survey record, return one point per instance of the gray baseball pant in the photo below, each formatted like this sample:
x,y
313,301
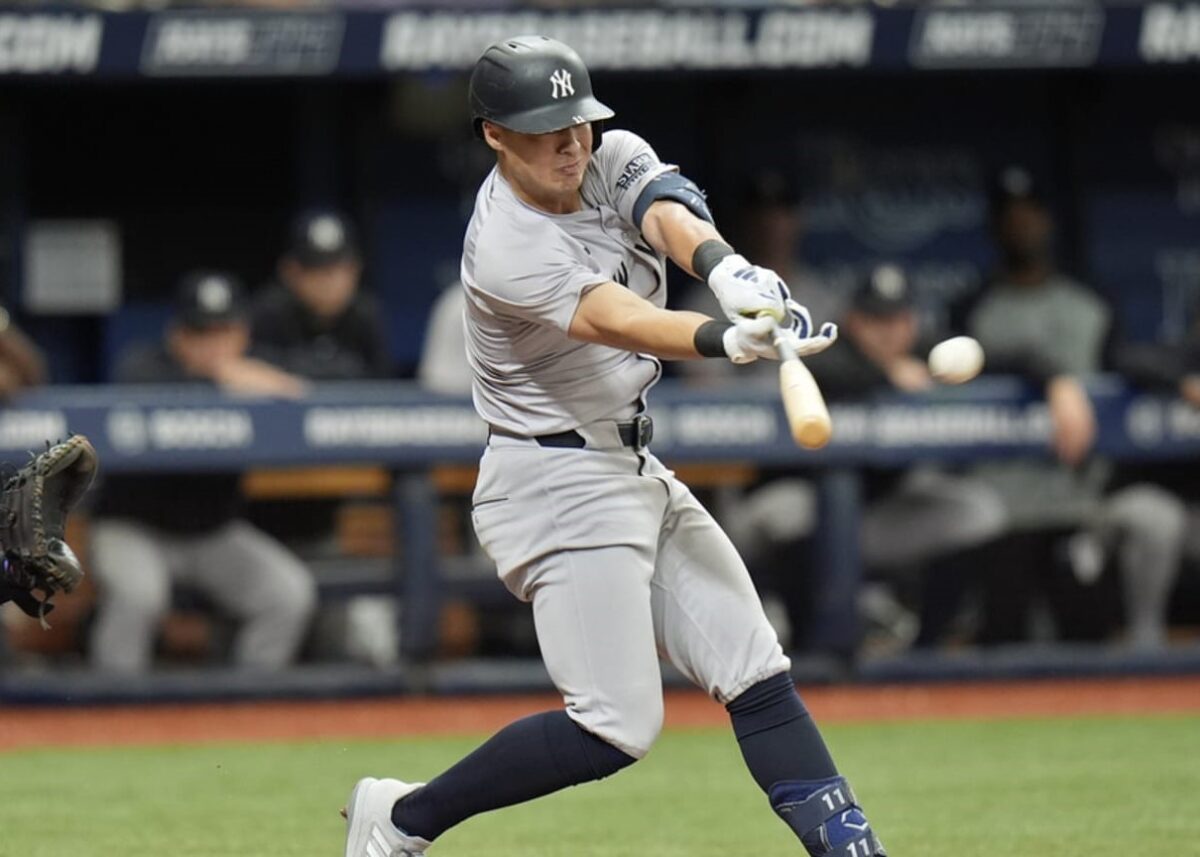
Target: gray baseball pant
x,y
622,564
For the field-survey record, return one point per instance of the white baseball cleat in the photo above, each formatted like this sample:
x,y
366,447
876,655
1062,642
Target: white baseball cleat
x,y
369,828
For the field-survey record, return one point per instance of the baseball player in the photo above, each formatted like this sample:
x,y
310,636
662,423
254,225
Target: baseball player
x,y
564,271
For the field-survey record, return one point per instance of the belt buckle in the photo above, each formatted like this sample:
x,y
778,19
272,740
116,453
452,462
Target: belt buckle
x,y
643,431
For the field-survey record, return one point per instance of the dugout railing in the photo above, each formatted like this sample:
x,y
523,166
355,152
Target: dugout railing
x,y
400,428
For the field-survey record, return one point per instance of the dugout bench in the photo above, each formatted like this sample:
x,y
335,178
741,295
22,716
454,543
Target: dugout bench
x,y
420,444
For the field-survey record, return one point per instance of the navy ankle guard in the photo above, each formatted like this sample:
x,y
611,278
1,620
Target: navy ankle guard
x,y
827,818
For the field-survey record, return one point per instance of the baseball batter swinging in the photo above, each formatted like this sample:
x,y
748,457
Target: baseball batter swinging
x,y
564,270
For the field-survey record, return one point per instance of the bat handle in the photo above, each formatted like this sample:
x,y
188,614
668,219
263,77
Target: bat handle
x,y
807,414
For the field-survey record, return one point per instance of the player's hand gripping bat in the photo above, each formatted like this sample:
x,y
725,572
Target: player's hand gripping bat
x,y
807,415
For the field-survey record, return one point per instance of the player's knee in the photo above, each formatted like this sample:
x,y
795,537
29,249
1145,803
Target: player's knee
x,y
1151,511
827,817
141,598
299,599
632,725
644,731
984,517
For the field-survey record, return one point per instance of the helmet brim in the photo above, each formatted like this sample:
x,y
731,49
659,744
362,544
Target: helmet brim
x,y
553,117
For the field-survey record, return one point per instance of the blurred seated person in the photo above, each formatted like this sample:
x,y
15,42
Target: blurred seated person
x,y
923,515
314,320
152,532
1169,369
21,362
1036,322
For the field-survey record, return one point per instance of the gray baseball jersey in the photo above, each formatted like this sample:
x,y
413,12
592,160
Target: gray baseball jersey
x,y
525,271
621,562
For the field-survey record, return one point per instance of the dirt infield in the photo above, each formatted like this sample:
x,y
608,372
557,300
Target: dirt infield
x,y
23,727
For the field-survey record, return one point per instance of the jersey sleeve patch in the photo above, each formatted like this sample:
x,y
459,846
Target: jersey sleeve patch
x,y
625,165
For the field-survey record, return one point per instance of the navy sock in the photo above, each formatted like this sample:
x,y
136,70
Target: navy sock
x,y
526,759
777,736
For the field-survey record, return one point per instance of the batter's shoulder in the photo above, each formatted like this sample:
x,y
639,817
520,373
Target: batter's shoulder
x,y
618,140
621,152
512,251
1083,299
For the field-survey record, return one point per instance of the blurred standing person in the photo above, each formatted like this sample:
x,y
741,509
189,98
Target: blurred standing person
x,y
314,320
914,518
151,532
1038,323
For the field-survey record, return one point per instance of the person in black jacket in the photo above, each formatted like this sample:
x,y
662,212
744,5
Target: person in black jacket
x,y
314,321
151,532
924,515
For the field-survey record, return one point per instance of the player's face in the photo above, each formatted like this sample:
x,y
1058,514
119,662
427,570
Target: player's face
x,y
327,290
884,337
1025,232
203,350
546,170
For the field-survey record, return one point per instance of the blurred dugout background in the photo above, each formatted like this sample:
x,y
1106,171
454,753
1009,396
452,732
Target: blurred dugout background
x,y
139,143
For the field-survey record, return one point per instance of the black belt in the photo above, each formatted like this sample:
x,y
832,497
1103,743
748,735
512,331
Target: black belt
x,y
638,433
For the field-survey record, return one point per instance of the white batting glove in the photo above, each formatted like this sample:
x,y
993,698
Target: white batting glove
x,y
748,291
751,338
806,346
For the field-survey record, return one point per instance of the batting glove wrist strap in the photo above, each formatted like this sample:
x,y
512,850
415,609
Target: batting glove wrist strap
x,y
708,255
709,339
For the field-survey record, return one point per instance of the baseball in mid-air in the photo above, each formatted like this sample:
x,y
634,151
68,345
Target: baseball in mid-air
x,y
956,360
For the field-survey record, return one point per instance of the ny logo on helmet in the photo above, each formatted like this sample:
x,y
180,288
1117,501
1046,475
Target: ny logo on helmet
x,y
561,81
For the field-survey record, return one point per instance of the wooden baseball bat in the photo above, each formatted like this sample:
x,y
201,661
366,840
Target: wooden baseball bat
x,y
807,415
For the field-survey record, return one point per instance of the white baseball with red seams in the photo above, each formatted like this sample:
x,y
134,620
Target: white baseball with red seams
x,y
956,360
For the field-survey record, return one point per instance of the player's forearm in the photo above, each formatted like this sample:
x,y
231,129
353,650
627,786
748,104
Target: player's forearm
x,y
672,228
667,334
612,315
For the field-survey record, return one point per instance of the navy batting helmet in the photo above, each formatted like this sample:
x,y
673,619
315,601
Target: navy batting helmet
x,y
534,85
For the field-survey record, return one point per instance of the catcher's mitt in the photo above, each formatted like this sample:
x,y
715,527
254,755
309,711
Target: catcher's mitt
x,y
34,504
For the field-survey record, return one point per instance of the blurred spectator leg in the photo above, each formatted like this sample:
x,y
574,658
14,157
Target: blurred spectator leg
x,y
770,525
1012,574
945,585
931,513
928,520
130,565
264,585
1150,524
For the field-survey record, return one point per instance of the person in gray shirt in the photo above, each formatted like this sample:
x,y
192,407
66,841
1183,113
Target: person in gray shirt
x,y
1035,321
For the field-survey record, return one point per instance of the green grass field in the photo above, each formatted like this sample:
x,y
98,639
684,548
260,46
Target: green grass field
x,y
1086,788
